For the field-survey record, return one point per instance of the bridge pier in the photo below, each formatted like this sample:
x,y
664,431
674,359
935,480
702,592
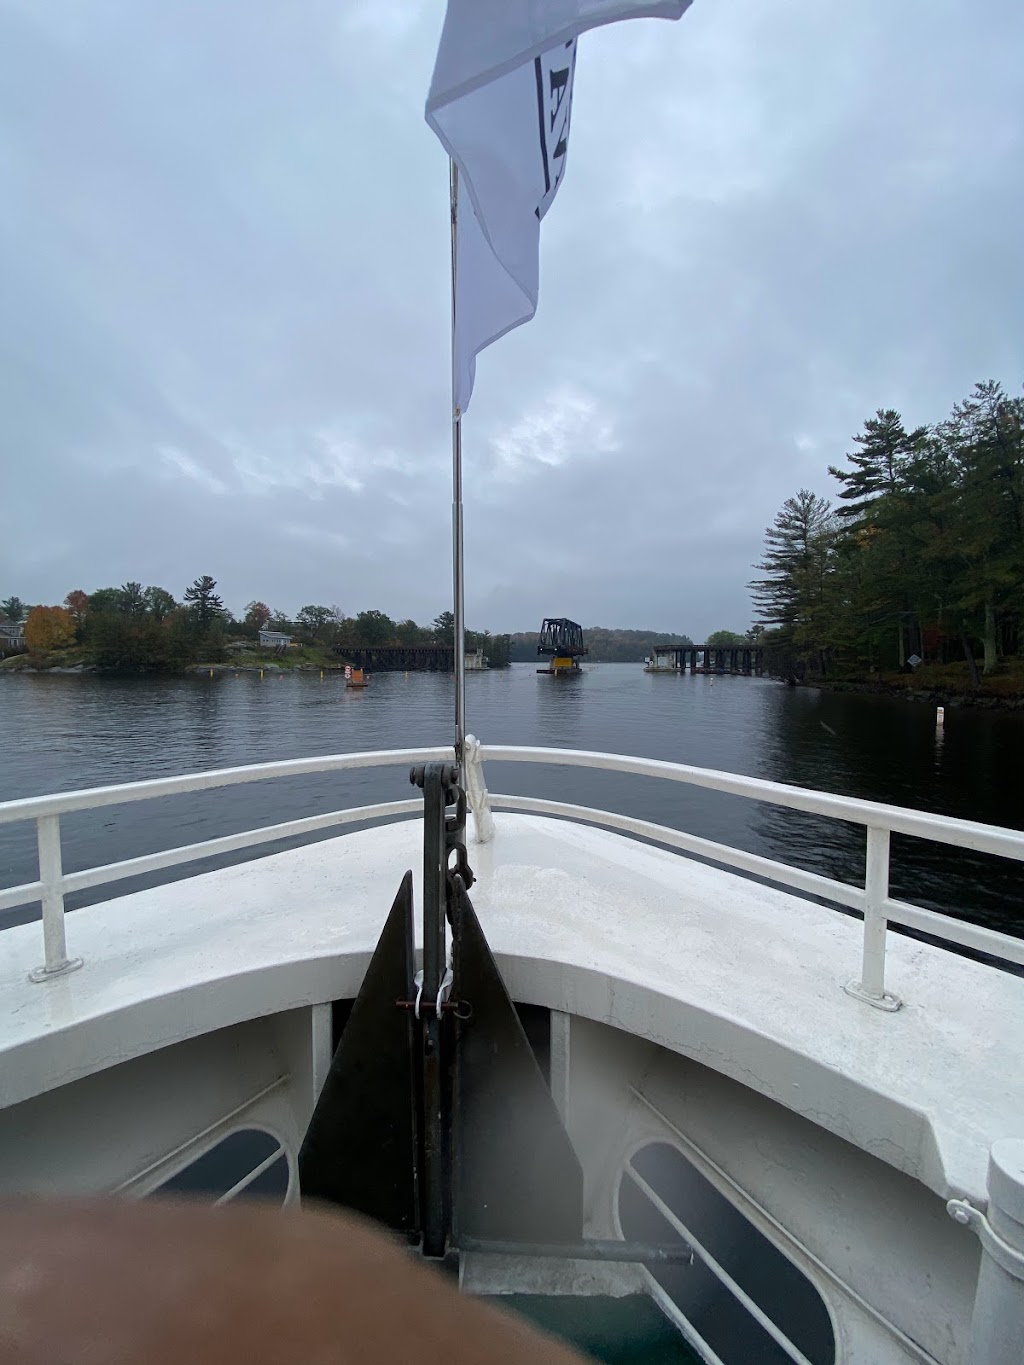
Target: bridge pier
x,y
736,659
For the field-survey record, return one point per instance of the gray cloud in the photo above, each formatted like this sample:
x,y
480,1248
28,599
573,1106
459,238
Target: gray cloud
x,y
224,333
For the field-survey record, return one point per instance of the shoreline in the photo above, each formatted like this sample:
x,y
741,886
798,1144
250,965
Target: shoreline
x,y
188,670
199,670
936,695
933,696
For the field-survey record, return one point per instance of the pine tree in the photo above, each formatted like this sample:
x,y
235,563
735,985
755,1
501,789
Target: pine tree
x,y
886,451
133,599
984,439
875,490
798,563
204,604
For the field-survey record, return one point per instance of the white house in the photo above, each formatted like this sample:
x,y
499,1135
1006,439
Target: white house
x,y
11,637
274,639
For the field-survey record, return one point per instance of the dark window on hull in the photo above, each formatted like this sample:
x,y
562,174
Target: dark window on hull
x,y
778,1287
231,1160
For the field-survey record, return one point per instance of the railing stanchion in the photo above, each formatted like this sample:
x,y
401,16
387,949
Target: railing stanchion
x,y
871,986
51,874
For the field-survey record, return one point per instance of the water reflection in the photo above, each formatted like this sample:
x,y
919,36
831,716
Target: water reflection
x,y
559,711
886,750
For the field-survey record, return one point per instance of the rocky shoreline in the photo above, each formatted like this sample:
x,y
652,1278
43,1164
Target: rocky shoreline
x,y
933,696
198,670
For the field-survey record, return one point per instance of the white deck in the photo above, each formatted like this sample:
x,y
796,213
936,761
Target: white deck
x,y
744,979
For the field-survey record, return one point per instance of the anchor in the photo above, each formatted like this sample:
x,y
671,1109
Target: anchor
x,y
435,1119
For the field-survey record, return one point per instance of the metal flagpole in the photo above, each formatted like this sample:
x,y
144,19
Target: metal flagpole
x,y
457,549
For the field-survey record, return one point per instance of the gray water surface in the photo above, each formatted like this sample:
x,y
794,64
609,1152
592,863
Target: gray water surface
x,y
61,733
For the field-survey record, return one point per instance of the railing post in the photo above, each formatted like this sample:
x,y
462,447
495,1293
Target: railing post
x,y
871,986
51,874
476,793
997,1326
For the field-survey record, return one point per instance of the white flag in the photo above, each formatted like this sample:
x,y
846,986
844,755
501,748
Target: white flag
x,y
501,101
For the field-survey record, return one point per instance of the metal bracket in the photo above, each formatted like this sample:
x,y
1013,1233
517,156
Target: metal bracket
x,y
44,973
887,1002
964,1213
590,1249
419,1003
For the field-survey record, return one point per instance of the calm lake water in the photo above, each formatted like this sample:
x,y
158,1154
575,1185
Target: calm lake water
x,y
62,733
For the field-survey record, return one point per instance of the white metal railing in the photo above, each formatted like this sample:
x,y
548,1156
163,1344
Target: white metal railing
x,y
54,884
872,900
879,820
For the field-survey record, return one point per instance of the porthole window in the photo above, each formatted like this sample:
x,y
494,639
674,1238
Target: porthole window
x,y
740,1294
250,1163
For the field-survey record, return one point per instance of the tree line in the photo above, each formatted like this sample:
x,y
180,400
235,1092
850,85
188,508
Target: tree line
x,y
136,628
922,558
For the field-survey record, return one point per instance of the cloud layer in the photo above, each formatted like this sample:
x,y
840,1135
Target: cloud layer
x,y
224,333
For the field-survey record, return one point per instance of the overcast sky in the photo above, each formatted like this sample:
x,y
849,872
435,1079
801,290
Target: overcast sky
x,y
224,303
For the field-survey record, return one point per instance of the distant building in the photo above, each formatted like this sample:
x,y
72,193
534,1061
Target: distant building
x,y
475,660
662,661
274,639
11,637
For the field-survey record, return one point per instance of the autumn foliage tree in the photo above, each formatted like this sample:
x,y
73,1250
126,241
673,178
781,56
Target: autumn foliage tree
x,y
49,628
257,614
77,603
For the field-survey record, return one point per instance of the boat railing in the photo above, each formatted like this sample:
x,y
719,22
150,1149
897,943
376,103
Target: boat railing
x,y
54,884
872,902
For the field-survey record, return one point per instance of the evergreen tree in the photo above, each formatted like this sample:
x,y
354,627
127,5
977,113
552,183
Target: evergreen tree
x,y
204,604
875,490
984,438
443,627
928,557
886,450
133,599
797,548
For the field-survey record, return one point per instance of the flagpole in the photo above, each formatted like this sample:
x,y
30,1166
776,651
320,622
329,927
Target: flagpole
x,y
457,543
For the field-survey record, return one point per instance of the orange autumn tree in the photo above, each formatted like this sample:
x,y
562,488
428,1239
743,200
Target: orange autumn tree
x,y
77,603
49,628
